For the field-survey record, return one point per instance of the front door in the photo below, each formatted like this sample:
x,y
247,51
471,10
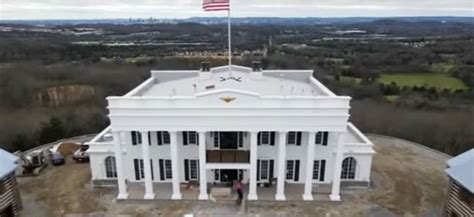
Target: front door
x,y
228,176
228,140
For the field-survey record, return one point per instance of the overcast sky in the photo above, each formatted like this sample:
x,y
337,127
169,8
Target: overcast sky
x,y
80,9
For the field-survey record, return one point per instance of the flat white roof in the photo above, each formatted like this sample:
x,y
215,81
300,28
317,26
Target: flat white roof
x,y
263,83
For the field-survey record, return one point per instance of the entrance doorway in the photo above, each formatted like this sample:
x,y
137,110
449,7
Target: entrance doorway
x,y
228,175
228,140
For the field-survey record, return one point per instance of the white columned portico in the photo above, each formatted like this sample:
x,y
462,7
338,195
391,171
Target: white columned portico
x,y
202,167
308,182
253,167
147,166
280,194
122,186
175,165
336,178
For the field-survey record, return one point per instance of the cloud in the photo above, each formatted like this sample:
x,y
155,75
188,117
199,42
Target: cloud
x,y
75,9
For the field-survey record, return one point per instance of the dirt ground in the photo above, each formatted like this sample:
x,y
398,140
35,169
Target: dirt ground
x,y
406,181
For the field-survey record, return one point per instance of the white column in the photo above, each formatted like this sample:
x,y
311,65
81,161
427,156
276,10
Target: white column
x,y
202,167
147,166
253,167
280,194
122,186
308,183
336,177
175,165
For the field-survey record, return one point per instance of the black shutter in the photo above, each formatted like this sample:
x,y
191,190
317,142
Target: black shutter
x,y
151,167
272,138
258,170
259,138
186,169
325,138
323,169
216,139
298,138
197,138
241,139
134,138
162,169
158,137
185,138
297,170
149,138
137,169
271,169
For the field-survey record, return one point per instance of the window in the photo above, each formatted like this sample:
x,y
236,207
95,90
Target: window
x,y
322,138
348,168
241,138
190,138
266,167
139,169
319,168
292,170
191,169
163,137
293,138
266,138
136,138
168,173
110,167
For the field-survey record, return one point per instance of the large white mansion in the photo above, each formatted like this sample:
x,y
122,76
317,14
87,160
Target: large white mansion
x,y
216,125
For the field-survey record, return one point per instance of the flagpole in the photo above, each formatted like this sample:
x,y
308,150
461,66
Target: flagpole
x,y
229,37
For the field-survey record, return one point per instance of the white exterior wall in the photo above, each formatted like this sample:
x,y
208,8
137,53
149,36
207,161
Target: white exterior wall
x,y
265,152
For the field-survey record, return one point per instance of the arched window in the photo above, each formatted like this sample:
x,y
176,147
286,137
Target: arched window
x,y
348,168
110,167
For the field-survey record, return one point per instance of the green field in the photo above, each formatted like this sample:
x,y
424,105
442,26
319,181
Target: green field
x,y
437,80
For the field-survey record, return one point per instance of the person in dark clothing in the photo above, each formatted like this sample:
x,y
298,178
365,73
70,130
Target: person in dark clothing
x,y
238,188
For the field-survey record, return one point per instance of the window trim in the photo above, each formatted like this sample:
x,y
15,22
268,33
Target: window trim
x,y
190,169
262,136
166,163
110,163
291,133
261,173
352,164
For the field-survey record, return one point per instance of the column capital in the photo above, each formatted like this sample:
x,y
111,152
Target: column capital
x,y
201,131
283,131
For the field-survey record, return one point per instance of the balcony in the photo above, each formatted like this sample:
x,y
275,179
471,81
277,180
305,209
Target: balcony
x,y
228,156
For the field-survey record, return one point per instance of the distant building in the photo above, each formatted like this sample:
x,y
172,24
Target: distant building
x,y
272,129
10,203
460,199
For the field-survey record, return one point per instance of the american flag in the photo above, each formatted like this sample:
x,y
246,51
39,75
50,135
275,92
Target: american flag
x,y
216,5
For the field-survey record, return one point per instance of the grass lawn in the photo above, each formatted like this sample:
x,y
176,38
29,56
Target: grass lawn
x,y
437,80
391,98
351,80
443,67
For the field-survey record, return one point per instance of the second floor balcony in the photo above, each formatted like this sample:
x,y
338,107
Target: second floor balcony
x,y
228,156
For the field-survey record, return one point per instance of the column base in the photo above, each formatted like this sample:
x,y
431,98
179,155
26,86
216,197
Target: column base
x,y
203,197
280,197
308,197
335,197
252,197
122,196
149,196
176,197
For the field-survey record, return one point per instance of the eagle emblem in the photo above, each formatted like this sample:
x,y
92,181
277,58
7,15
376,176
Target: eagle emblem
x,y
227,99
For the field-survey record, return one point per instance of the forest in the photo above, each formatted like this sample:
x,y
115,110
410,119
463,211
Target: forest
x,y
410,81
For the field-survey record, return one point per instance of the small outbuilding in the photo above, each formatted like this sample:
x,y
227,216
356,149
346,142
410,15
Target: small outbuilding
x,y
10,202
460,199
